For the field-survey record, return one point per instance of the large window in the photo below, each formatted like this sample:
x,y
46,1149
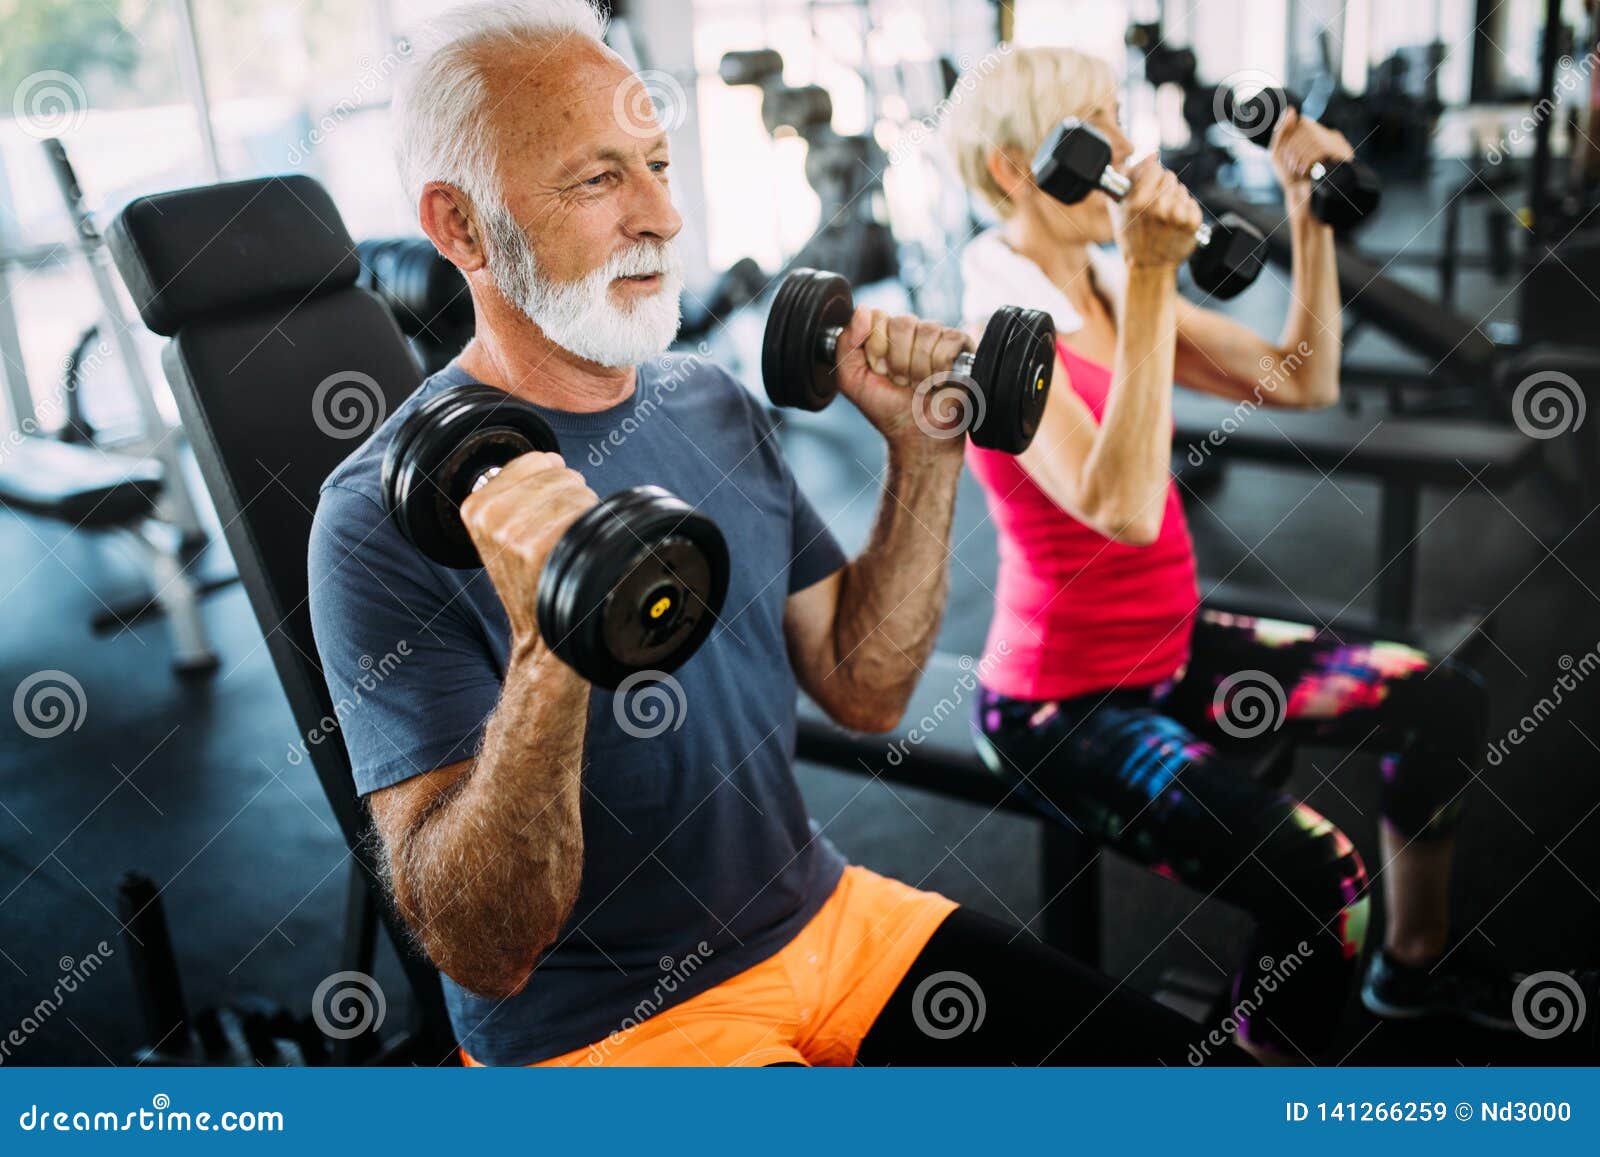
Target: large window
x,y
879,61
102,79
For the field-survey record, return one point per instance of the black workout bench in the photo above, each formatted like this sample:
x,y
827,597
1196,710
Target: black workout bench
x,y
932,750
1403,454
90,488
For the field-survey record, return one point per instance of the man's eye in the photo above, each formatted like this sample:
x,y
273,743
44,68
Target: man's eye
x,y
596,181
659,166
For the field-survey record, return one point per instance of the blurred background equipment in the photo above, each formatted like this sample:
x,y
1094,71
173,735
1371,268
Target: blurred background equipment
x,y
1448,499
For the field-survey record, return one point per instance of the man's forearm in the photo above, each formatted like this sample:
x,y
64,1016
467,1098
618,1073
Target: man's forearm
x,y
892,596
489,874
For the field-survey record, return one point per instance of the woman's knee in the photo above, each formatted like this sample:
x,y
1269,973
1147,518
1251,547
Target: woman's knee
x,y
1452,704
1318,882
1424,784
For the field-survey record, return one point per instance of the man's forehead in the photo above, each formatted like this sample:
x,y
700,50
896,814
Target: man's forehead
x,y
569,95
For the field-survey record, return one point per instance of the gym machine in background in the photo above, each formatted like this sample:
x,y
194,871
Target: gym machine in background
x,y
845,171
134,489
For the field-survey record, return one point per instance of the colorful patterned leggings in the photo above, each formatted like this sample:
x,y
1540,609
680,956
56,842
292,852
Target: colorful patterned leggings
x,y
1140,771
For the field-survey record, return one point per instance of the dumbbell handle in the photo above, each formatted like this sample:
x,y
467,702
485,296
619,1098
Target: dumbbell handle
x,y
828,350
1116,185
482,479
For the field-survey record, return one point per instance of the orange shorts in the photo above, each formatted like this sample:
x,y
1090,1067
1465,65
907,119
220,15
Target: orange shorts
x,y
811,1003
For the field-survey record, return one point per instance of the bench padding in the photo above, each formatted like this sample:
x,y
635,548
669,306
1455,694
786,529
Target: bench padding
x,y
1439,451
82,485
245,244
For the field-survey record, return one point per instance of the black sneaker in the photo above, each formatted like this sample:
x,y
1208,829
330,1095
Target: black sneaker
x,y
1397,991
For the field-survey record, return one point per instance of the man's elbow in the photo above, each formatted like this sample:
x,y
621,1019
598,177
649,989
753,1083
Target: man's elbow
x,y
869,719
497,977
493,985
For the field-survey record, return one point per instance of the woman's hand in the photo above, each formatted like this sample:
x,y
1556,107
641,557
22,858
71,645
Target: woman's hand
x,y
1157,219
1298,143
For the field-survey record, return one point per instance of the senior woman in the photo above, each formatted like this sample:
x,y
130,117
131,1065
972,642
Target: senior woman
x,y
1107,687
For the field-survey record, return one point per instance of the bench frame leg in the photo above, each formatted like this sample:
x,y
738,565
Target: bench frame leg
x,y
177,594
1397,553
1069,881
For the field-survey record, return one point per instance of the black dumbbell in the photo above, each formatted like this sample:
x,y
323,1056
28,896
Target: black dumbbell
x,y
635,584
1343,194
1075,160
1007,379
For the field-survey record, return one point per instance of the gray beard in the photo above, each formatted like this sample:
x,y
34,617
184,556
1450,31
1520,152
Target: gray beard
x,y
579,316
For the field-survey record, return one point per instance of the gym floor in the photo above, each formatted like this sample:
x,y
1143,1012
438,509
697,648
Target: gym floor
x,y
193,785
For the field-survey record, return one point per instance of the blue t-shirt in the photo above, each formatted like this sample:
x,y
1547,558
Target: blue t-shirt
x,y
699,858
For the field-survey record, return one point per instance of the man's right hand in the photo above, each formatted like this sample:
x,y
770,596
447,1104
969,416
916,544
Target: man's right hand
x,y
1158,218
515,519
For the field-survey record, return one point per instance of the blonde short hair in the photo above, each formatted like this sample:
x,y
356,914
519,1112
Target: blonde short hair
x,y
1015,104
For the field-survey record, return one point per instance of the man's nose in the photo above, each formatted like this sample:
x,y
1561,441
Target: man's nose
x,y
652,213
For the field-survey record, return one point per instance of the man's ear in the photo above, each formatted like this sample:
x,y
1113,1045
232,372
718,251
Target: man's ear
x,y
449,220
1008,170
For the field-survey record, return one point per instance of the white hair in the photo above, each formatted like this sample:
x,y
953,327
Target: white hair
x,y
441,132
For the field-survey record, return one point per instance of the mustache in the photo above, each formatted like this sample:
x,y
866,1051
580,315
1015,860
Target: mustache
x,y
643,259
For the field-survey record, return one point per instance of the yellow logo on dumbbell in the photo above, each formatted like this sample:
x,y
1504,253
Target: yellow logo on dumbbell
x,y
661,606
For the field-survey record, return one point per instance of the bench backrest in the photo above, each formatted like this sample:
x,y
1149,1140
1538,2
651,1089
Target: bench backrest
x,y
279,365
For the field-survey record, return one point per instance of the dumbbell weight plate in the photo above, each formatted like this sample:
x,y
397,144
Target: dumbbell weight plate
x,y
1232,260
1346,195
635,584
440,450
807,302
1013,367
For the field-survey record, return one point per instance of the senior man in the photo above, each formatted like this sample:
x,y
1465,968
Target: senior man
x,y
591,895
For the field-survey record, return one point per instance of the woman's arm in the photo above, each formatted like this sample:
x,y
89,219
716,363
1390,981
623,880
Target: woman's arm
x,y
1220,356
1113,475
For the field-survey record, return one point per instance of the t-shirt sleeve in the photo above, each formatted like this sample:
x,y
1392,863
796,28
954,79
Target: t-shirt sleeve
x,y
814,552
410,673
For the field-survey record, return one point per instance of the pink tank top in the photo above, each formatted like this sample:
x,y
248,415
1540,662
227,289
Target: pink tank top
x,y
1075,612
